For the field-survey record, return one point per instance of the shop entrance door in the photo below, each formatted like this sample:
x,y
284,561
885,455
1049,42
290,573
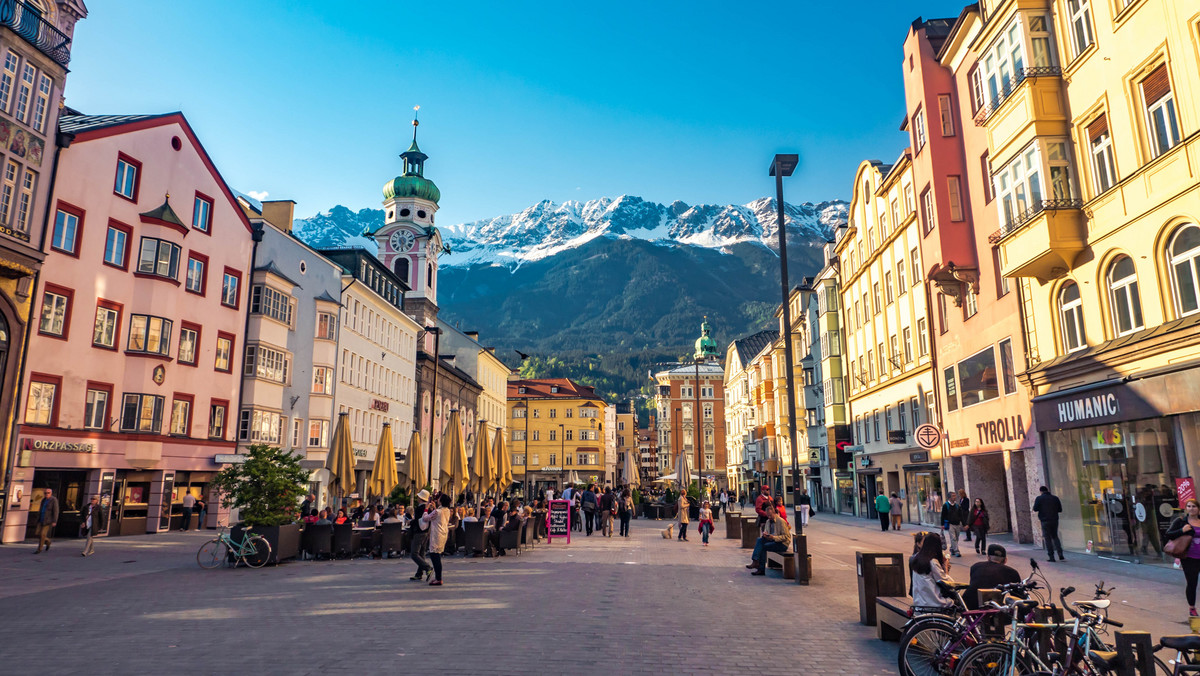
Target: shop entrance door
x,y
924,488
68,488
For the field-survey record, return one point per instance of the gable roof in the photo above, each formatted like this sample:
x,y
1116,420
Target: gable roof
x,y
749,347
91,127
539,388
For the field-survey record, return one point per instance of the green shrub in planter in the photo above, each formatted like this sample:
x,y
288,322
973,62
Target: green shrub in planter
x,y
265,489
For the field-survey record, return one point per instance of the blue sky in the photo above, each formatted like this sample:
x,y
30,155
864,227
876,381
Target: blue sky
x,y
312,101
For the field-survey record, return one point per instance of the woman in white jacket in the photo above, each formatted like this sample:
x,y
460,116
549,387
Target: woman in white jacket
x,y
929,566
438,521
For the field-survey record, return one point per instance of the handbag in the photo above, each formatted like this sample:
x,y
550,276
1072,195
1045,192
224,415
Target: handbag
x,y
1179,546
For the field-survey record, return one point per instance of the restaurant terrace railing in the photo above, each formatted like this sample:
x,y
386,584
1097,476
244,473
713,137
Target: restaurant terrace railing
x,y
27,21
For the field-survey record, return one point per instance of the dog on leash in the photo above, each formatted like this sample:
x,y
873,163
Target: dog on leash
x,y
666,532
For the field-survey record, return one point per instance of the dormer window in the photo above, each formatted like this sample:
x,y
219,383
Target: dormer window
x,y
554,389
520,390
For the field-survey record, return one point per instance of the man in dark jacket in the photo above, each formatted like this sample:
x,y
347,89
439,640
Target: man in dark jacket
x,y
589,508
964,508
512,523
990,574
1048,507
607,507
952,522
418,537
47,520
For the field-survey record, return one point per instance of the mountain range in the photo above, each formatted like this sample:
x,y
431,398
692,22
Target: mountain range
x,y
601,290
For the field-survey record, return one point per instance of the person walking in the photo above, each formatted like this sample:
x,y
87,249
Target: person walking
x,y
723,503
47,520
894,509
589,507
883,506
964,508
705,522
438,523
189,503
91,522
683,517
1189,559
607,509
418,530
980,524
1048,507
805,507
952,523
625,511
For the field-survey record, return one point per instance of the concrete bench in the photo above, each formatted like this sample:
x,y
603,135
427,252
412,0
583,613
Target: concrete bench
x,y
891,614
786,563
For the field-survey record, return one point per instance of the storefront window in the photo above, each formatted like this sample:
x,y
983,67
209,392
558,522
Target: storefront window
x,y
977,377
1117,486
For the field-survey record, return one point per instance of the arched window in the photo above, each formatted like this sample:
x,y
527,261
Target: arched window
x,y
1184,253
401,268
1070,317
1123,296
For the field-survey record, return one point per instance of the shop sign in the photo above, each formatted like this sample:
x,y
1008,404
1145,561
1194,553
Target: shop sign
x,y
920,456
360,452
1109,437
1185,489
928,436
1002,430
229,459
379,405
1099,406
28,444
897,437
864,461
960,443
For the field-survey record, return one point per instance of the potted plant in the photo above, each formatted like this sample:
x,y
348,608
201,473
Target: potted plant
x,y
266,490
693,494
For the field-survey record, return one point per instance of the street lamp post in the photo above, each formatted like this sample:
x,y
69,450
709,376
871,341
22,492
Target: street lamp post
x,y
562,457
434,407
784,165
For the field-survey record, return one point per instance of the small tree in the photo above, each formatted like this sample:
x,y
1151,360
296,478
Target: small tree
x,y
266,488
693,491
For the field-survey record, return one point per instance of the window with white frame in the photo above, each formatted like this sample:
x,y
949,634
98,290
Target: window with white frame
x,y
1104,167
297,431
322,380
42,104
1162,125
181,417
25,201
1058,161
105,332
25,91
1079,14
1070,318
195,275
54,314
256,425
66,231
326,326
1019,186
927,213
95,410
318,433
1184,254
914,258
158,257
954,194
908,345
271,302
7,78
126,182
1007,366
202,214
1123,296
8,190
39,408
229,289
919,130
188,342
1003,63
922,337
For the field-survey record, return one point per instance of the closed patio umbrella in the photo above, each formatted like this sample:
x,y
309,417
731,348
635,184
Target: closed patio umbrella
x,y
340,461
383,474
503,476
413,474
632,476
683,471
482,468
453,472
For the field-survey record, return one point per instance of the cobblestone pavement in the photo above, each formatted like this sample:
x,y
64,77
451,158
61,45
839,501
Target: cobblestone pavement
x,y
638,605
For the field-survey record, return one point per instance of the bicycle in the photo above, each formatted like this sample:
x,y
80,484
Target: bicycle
x,y
253,550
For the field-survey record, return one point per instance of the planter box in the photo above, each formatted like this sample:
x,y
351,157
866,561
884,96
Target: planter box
x,y
285,540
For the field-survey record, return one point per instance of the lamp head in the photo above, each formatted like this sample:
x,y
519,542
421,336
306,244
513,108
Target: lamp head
x,y
785,164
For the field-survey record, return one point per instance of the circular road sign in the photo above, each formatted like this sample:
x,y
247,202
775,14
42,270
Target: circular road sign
x,y
928,436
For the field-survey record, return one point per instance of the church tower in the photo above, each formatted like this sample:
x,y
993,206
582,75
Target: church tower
x,y
408,242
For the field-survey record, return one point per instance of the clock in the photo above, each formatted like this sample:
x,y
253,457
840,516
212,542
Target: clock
x,y
402,240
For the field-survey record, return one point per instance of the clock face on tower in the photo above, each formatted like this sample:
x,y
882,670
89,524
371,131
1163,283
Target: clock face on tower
x,y
402,240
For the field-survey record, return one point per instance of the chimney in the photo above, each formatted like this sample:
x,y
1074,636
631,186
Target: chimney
x,y
279,213
473,335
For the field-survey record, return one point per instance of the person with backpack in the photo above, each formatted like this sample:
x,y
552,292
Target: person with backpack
x,y
952,523
625,511
589,507
979,524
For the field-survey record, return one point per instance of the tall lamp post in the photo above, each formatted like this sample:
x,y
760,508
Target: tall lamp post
x,y
562,457
435,408
524,406
784,165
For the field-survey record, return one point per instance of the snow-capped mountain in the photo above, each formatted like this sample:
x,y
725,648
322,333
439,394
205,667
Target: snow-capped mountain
x,y
547,228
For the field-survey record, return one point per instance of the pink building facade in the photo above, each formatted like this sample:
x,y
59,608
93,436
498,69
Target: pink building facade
x,y
132,378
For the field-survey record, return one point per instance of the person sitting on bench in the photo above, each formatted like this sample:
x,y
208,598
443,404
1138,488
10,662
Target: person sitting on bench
x,y
513,523
776,537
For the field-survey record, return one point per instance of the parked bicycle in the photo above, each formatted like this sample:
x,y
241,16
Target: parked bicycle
x,y
253,550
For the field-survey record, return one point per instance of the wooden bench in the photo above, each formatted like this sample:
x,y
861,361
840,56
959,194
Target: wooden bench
x,y
891,614
786,563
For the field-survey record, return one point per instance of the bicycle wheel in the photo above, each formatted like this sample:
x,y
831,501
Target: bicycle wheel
x,y
258,551
212,554
931,647
991,659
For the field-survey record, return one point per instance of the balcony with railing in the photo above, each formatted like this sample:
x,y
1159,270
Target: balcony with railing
x,y
1043,240
1011,86
27,21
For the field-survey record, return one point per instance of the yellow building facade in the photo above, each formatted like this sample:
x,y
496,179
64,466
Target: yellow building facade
x,y
1094,154
556,433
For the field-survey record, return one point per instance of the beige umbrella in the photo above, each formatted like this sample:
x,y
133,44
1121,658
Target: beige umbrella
x,y
453,472
483,474
631,470
414,474
340,461
383,474
683,471
504,476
